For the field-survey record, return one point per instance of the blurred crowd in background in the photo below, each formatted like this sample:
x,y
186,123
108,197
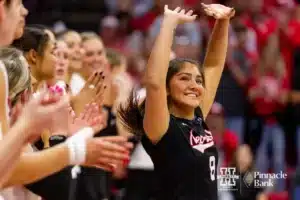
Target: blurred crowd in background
x,y
258,101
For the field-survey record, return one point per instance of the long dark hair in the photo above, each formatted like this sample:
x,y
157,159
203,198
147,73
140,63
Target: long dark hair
x,y
33,38
131,113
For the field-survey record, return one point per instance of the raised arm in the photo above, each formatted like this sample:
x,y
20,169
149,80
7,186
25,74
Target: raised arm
x,y
216,53
156,118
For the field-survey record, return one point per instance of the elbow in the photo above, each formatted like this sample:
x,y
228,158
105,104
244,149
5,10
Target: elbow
x,y
154,84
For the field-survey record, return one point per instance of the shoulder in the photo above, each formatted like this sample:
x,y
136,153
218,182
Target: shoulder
x,y
168,137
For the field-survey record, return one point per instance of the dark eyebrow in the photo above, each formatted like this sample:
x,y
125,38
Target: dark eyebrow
x,y
184,73
188,74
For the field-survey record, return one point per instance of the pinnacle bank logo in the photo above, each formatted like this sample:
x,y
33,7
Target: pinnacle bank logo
x,y
227,178
255,179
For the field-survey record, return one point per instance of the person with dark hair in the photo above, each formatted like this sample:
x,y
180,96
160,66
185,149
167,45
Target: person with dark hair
x,y
25,129
19,82
38,46
171,120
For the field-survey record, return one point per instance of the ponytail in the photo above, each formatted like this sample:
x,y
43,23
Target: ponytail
x,y
131,115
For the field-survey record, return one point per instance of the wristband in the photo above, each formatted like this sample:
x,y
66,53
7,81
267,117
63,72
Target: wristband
x,y
77,145
57,139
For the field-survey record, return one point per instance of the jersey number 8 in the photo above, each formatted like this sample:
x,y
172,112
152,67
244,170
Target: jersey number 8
x,y
212,166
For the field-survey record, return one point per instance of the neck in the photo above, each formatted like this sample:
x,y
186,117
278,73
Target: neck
x,y
51,82
84,73
182,112
38,83
3,43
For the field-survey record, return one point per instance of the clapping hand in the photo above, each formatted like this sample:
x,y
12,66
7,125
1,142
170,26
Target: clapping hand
x,y
91,116
108,152
179,15
93,90
218,11
40,111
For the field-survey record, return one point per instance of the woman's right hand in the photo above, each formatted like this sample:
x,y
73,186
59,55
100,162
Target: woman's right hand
x,y
93,90
39,112
108,152
179,15
91,116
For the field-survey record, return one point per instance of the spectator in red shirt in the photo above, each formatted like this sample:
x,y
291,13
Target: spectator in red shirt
x,y
289,28
267,90
260,22
226,140
232,90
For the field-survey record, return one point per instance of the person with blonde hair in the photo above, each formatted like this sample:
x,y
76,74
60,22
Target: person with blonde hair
x,y
267,92
24,129
54,159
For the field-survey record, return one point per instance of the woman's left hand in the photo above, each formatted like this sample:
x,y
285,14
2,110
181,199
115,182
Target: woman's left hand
x,y
218,11
91,116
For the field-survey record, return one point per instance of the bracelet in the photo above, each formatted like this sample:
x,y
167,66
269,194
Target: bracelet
x,y
77,145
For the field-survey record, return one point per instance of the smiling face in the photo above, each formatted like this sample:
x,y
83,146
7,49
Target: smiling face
x,y
62,65
186,86
95,55
73,40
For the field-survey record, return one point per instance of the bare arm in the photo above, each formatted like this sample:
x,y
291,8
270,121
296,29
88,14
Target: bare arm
x,y
156,118
100,152
156,109
216,53
37,165
10,149
3,99
15,137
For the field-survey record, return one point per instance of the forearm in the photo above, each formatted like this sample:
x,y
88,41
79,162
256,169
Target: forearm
x,y
218,44
37,165
158,62
76,105
10,149
214,63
